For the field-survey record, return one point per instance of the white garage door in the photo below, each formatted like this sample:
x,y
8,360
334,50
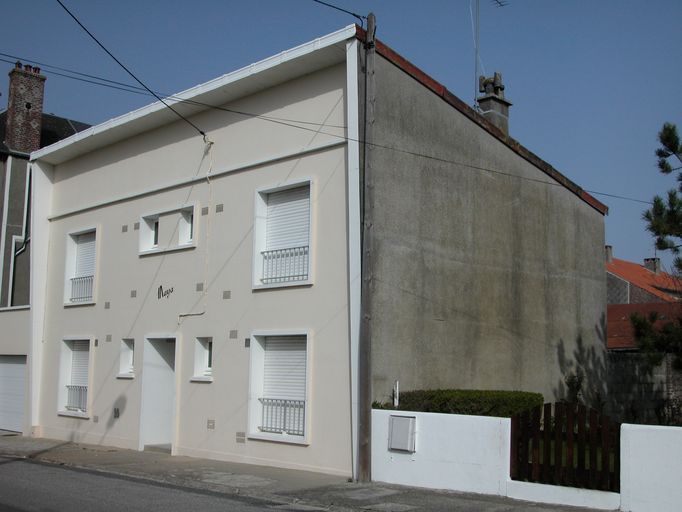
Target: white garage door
x,y
12,372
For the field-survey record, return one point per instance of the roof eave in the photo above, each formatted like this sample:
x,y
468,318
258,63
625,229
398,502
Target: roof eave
x,y
296,61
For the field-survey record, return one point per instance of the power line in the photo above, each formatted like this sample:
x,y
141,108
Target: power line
x,y
358,16
291,123
121,86
128,71
619,197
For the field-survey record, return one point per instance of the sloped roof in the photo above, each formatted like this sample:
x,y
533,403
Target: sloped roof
x,y
53,128
620,333
661,285
303,59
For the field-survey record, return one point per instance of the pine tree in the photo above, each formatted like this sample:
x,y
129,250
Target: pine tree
x,y
664,219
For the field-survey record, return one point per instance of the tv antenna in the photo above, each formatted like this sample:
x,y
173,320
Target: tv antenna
x,y
476,22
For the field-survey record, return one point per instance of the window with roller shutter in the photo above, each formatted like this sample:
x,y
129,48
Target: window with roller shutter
x,y
77,383
283,236
279,367
81,263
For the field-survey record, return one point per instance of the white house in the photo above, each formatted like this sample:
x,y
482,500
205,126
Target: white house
x,y
202,293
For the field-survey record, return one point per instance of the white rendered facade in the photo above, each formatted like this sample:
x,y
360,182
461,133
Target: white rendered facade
x,y
199,299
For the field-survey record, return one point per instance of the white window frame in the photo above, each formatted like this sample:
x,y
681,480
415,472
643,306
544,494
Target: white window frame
x,y
183,237
126,365
65,376
204,355
260,233
70,264
256,381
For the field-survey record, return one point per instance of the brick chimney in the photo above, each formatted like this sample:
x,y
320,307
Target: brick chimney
x,y
24,108
493,105
653,264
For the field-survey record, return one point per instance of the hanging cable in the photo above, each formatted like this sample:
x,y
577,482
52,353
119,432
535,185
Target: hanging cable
x,y
358,16
128,71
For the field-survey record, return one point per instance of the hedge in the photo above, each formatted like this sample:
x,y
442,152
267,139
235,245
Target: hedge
x,y
501,404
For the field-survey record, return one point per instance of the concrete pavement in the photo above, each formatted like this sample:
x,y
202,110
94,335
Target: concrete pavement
x,y
276,488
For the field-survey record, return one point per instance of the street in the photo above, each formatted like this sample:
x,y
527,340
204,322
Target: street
x,y
30,486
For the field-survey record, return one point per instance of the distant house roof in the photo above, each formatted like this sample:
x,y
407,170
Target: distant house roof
x,y
53,129
663,285
620,333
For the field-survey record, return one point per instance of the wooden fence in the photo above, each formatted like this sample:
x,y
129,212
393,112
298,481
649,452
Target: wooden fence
x,y
575,447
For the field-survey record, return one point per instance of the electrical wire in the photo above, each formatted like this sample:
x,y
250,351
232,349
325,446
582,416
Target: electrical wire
x,y
128,71
296,124
358,16
121,86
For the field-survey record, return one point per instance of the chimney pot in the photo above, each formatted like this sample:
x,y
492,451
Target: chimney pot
x,y
27,67
653,265
17,65
608,250
493,106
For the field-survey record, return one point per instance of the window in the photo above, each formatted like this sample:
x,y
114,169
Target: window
x,y
168,230
203,360
127,359
282,238
278,400
81,260
74,370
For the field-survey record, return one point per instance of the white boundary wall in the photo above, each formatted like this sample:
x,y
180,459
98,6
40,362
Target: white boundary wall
x,y
471,454
651,468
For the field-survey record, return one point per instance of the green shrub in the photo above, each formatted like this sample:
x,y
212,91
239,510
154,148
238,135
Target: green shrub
x,y
502,404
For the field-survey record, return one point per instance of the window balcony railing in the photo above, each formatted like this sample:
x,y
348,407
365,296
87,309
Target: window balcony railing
x,y
81,288
77,398
284,265
283,416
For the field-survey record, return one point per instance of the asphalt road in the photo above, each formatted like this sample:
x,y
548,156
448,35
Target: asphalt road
x,y
29,486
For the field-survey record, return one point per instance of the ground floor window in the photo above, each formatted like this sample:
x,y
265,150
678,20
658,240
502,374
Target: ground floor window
x,y
279,367
74,376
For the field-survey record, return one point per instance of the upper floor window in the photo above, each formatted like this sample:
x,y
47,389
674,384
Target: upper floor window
x,y
81,260
167,230
282,236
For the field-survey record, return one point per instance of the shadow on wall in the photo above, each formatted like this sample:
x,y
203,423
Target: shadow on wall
x,y
623,385
583,373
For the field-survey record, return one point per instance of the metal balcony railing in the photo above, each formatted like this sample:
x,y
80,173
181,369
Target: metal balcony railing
x,y
284,265
283,416
81,288
77,398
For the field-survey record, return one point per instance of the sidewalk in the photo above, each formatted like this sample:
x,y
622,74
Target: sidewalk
x,y
282,489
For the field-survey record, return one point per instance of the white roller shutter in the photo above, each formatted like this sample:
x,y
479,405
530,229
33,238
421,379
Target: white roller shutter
x,y
288,218
285,367
85,254
80,356
12,375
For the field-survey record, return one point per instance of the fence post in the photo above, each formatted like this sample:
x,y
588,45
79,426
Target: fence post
x,y
547,442
535,418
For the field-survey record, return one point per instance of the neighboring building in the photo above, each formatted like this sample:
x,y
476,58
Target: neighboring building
x,y
640,392
205,294
24,127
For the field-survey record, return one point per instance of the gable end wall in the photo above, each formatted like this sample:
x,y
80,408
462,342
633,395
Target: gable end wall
x,y
487,280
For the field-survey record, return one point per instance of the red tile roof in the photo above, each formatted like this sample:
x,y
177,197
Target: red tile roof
x,y
662,285
620,334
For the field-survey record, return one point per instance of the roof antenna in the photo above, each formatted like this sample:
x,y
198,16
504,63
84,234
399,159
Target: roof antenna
x,y
476,22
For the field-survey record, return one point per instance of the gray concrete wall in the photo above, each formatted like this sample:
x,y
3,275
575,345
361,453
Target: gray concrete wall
x,y
14,227
641,392
487,280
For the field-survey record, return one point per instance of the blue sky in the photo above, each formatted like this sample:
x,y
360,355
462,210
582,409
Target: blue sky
x,y
591,82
